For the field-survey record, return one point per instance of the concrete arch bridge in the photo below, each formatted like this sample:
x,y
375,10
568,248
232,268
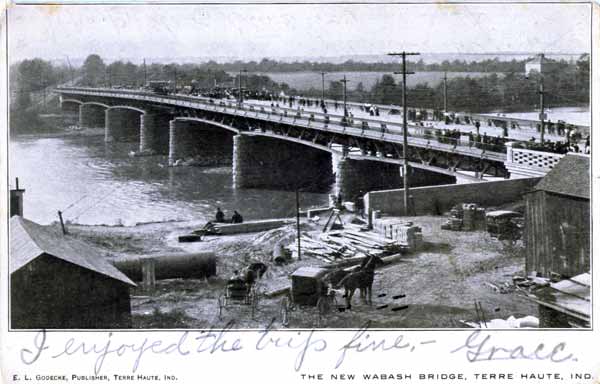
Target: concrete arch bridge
x,y
281,147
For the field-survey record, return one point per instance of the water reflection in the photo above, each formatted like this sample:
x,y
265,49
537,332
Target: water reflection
x,y
108,186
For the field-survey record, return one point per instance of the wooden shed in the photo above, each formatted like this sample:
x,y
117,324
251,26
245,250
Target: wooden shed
x,y
307,285
60,282
557,220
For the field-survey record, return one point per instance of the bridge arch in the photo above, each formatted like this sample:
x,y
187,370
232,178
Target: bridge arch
x,y
208,122
70,106
123,122
106,106
198,141
71,101
129,107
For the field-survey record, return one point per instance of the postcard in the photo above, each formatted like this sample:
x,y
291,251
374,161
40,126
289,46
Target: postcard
x,y
299,192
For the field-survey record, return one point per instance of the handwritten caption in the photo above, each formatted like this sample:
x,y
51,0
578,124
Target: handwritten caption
x,y
478,346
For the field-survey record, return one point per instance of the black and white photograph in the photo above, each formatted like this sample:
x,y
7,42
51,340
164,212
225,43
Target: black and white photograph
x,y
298,192
315,166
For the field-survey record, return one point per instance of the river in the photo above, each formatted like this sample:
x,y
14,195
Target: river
x,y
93,182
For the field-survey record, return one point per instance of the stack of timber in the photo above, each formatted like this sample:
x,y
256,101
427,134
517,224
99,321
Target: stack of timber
x,y
465,217
335,246
245,227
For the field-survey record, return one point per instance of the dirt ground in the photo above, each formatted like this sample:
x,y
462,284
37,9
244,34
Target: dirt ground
x,y
441,282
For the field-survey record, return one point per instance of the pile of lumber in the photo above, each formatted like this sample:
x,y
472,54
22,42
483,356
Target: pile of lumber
x,y
465,217
341,245
245,227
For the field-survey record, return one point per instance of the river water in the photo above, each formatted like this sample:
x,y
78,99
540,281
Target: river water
x,y
93,182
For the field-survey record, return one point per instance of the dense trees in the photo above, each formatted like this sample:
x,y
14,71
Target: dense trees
x,y
506,88
93,71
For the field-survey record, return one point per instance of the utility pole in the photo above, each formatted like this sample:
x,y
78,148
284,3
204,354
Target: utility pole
x,y
43,88
323,87
542,116
108,75
404,128
298,222
145,73
345,109
445,92
71,71
62,223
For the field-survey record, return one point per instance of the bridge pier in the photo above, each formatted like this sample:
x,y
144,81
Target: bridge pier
x,y
353,176
201,143
91,116
121,124
154,134
69,112
264,162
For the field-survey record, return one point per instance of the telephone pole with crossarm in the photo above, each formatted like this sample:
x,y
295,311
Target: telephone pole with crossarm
x,y
404,128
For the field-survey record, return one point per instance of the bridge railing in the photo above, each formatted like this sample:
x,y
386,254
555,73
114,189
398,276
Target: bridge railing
x,y
427,137
530,158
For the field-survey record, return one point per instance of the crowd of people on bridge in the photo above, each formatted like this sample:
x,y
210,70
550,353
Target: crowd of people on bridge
x,y
454,136
560,147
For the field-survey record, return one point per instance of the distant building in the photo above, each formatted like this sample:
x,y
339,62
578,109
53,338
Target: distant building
x,y
60,282
557,220
536,64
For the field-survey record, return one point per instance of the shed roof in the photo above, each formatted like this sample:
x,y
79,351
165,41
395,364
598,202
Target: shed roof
x,y
570,176
312,272
29,240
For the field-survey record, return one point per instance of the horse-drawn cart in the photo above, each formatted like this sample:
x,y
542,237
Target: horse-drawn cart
x,y
238,292
308,291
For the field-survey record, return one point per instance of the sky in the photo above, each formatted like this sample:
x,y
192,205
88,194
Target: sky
x,y
276,31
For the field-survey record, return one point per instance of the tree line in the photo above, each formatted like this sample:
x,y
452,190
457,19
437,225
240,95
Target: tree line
x,y
565,83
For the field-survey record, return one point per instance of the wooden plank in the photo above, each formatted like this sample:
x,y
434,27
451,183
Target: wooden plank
x,y
572,303
373,237
559,308
250,226
364,241
584,279
572,288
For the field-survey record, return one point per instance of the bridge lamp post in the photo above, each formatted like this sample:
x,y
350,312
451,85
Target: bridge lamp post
x,y
542,114
323,88
345,108
175,79
241,96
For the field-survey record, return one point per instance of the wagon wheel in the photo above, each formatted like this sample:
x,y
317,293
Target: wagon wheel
x,y
254,301
324,307
284,311
221,303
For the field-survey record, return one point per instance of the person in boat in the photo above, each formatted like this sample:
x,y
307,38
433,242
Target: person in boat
x,y
236,218
219,216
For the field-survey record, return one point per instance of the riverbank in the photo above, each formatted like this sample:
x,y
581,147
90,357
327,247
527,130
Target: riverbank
x,y
440,283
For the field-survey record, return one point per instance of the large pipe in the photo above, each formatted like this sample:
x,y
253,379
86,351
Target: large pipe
x,y
171,265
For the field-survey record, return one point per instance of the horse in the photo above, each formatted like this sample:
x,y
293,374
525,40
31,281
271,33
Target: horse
x,y
361,279
259,269
253,272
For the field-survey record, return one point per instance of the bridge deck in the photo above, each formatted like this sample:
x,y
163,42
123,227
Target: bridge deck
x,y
372,128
